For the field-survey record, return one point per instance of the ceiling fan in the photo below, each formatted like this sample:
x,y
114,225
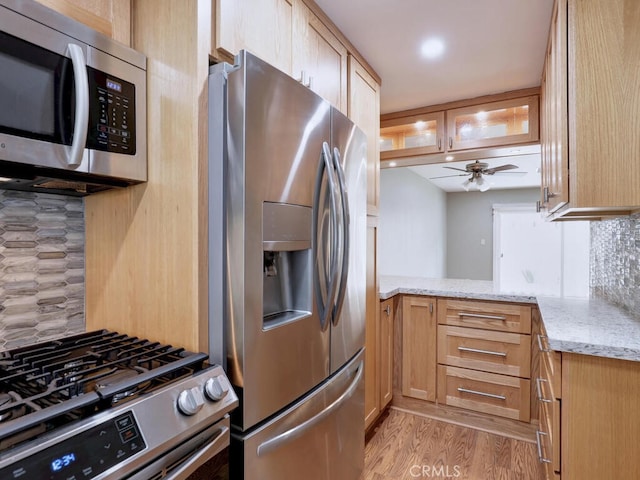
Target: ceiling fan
x,y
476,170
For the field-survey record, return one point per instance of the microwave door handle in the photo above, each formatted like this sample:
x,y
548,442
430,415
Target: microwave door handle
x,y
76,150
344,248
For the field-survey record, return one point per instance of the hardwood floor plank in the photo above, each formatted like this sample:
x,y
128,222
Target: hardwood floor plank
x,y
405,446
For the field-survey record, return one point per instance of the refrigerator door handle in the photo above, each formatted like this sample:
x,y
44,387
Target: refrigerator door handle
x,y
273,443
330,285
344,248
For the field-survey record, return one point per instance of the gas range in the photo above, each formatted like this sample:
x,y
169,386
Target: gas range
x,y
103,405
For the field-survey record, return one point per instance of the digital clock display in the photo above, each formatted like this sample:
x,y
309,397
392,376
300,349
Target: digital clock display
x,y
113,85
60,463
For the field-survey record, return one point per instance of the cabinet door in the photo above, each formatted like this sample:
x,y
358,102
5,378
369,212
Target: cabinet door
x,y
364,111
554,137
413,135
319,58
419,347
386,352
371,374
264,27
493,124
110,17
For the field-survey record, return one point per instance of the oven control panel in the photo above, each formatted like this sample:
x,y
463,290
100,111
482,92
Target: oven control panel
x,y
83,456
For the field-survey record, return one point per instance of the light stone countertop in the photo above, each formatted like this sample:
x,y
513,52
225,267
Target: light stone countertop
x,y
589,326
448,287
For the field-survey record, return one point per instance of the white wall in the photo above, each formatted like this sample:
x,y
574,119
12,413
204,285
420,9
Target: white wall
x,y
413,225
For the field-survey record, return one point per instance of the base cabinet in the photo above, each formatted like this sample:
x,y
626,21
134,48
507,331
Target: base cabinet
x,y
419,347
387,314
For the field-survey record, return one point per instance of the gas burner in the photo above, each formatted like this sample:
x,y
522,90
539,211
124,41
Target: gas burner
x,y
9,408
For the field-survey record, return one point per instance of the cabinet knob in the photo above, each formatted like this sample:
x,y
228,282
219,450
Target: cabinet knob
x,y
387,310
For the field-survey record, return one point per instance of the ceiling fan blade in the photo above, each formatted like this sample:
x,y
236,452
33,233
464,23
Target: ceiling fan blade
x,y
491,171
458,169
521,174
447,176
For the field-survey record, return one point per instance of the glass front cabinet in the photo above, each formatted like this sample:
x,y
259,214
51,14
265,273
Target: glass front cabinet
x,y
413,135
498,123
493,124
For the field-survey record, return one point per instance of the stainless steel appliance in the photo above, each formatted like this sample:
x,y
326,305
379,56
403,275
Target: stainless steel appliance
x,y
103,405
287,200
72,104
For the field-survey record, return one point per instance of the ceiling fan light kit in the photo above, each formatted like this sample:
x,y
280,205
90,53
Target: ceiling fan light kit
x,y
476,170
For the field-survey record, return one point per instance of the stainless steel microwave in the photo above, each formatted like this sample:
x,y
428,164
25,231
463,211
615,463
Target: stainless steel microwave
x,y
72,104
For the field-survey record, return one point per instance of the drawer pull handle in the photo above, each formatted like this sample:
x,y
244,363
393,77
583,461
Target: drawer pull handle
x,y
542,347
485,352
539,389
541,456
487,317
482,394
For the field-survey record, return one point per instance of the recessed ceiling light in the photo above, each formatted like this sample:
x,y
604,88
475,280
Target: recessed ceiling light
x,y
392,164
432,48
5,179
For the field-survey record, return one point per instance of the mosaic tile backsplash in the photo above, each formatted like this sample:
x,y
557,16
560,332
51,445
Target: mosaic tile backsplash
x,y
42,286
615,262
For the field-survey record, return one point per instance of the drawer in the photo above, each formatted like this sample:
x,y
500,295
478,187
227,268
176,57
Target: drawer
x,y
550,366
549,437
490,351
504,317
484,392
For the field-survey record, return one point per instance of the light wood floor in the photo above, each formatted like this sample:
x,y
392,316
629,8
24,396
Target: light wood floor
x,y
407,446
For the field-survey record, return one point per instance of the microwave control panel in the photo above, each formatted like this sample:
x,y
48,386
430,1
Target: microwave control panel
x,y
112,116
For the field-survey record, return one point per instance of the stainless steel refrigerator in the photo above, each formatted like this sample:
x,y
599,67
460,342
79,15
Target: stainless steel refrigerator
x,y
287,239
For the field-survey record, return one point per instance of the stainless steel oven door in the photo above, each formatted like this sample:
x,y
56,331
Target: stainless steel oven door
x,y
183,461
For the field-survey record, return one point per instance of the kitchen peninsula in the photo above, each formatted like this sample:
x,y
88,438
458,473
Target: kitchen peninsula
x,y
584,376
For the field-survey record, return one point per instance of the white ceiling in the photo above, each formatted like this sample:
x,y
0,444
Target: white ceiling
x,y
491,46
498,181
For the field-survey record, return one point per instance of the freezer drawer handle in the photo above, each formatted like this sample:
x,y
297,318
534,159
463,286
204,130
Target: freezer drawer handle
x,y
275,442
482,394
486,352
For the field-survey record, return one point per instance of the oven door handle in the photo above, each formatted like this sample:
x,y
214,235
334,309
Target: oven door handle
x,y
211,448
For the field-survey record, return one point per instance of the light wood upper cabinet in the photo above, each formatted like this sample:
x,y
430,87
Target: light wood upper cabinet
x,y
554,136
364,111
413,135
319,58
109,17
466,128
601,66
493,124
264,27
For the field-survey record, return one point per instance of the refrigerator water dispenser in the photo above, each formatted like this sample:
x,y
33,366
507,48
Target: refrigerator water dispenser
x,y
287,265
